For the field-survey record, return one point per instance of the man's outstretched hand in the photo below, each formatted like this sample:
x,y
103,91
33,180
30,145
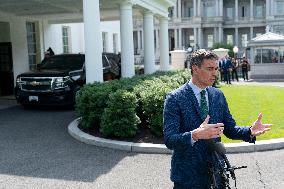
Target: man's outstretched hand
x,y
258,128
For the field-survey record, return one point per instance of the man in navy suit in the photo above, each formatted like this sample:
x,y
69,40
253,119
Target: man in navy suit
x,y
227,69
188,125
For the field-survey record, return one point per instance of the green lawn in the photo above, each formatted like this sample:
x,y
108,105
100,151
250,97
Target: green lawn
x,y
246,102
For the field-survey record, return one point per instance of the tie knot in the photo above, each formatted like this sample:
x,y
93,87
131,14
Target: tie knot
x,y
202,93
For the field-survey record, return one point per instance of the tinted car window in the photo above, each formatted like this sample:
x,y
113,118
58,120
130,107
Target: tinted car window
x,y
63,63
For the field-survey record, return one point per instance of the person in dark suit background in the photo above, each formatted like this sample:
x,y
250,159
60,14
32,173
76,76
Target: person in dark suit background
x,y
245,68
227,69
221,69
194,113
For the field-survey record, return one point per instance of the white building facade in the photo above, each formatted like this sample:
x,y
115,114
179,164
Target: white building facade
x,y
201,23
29,28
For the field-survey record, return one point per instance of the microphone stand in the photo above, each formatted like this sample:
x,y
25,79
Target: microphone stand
x,y
218,150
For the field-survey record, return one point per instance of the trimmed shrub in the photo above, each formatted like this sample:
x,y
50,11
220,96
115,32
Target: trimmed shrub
x,y
92,100
116,108
119,118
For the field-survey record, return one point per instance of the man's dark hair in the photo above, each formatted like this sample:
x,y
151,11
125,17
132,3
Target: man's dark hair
x,y
198,56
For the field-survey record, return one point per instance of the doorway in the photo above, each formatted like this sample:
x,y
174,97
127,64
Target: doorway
x,y
6,69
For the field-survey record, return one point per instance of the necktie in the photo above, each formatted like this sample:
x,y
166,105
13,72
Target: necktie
x,y
203,105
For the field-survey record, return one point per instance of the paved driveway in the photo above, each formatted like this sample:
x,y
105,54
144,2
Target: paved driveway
x,y
37,152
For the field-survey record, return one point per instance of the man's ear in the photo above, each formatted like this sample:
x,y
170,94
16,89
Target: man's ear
x,y
194,67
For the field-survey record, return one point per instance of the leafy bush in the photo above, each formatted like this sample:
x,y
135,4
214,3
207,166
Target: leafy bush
x,y
92,100
119,118
117,107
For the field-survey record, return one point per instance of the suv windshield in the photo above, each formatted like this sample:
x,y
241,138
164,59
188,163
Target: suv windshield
x,y
63,63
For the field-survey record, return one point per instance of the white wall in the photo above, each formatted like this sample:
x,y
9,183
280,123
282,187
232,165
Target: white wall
x,y
53,36
111,27
18,38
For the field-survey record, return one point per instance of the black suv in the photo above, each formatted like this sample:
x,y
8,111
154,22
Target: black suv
x,y
57,79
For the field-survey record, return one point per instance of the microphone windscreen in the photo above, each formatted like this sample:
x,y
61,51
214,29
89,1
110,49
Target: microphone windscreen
x,y
216,146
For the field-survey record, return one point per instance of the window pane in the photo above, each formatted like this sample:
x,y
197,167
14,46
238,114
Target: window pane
x,y
210,41
230,12
244,40
257,58
259,11
230,39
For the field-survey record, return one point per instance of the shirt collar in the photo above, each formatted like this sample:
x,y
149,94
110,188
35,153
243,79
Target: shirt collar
x,y
195,89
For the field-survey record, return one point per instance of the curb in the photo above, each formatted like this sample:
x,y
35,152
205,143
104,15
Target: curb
x,y
242,147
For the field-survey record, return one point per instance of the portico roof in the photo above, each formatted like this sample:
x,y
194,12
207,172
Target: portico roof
x,y
64,11
268,38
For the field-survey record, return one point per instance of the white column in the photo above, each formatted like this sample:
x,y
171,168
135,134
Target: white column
x,y
251,55
267,7
236,36
194,8
272,7
142,39
179,38
157,39
217,7
221,7
164,44
149,50
93,41
198,8
251,33
251,10
236,10
221,34
138,41
176,38
179,8
215,34
195,36
200,42
175,11
126,36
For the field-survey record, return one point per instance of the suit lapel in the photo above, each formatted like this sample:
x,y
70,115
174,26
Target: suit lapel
x,y
210,99
191,97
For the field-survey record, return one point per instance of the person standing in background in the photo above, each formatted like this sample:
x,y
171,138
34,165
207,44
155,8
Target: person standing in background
x,y
235,66
245,68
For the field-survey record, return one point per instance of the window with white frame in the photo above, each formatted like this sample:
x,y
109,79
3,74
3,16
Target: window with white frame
x,y
104,37
66,39
259,11
210,41
279,7
244,40
190,12
230,39
229,12
31,39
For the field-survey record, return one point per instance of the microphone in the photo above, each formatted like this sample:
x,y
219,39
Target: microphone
x,y
216,146
221,150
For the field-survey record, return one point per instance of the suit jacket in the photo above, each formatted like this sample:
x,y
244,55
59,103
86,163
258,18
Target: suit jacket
x,y
189,165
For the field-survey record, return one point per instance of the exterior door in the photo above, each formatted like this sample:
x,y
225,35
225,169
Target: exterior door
x,y
6,69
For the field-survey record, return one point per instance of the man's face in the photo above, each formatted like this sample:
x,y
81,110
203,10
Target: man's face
x,y
205,75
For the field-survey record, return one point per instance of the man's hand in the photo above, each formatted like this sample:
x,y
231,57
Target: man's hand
x,y
207,131
258,128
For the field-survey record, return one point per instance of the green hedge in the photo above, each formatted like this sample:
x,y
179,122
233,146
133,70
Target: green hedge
x,y
117,107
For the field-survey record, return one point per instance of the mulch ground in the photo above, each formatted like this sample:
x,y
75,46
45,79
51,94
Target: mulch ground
x,y
143,136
